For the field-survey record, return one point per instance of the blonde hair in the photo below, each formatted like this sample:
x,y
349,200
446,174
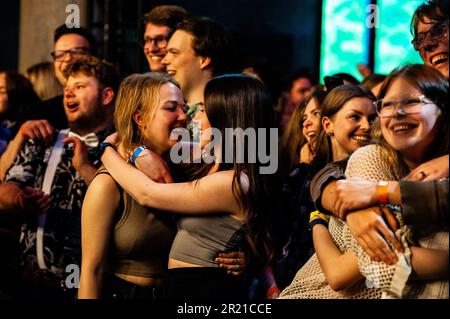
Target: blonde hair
x,y
137,93
42,77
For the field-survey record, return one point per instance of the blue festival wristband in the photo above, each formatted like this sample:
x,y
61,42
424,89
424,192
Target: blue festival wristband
x,y
136,153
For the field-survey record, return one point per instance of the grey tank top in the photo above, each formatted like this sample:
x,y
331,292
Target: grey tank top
x,y
200,238
141,239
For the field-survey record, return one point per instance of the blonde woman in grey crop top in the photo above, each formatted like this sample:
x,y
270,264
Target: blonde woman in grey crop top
x,y
121,238
220,207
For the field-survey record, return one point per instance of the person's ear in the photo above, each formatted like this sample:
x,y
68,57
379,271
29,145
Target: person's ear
x,y
205,62
138,119
107,96
327,125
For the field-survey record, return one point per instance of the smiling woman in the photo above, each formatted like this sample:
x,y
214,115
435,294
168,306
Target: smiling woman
x,y
341,268
347,117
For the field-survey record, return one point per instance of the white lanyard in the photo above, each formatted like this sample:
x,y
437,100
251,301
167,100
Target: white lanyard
x,y
50,171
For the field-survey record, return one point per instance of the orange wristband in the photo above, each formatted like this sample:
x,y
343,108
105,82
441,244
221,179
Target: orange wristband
x,y
382,192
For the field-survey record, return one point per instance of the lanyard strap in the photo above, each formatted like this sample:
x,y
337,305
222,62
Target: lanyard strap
x,y
55,158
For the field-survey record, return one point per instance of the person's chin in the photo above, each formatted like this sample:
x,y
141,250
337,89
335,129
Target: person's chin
x,y
155,66
444,70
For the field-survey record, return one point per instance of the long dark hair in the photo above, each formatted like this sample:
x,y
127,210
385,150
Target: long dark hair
x,y
242,101
293,138
332,104
434,86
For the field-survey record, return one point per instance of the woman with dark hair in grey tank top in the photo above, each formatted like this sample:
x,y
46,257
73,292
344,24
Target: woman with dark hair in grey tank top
x,y
226,204
125,246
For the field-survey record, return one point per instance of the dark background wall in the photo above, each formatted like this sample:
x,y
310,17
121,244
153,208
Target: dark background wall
x,y
9,29
286,33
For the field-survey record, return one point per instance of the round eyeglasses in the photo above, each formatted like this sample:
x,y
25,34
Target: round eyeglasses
x,y
59,55
407,105
160,41
437,32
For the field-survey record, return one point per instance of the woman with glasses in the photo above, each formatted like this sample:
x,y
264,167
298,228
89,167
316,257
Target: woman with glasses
x,y
413,117
429,27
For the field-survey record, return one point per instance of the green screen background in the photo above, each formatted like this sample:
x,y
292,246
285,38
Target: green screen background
x,y
345,36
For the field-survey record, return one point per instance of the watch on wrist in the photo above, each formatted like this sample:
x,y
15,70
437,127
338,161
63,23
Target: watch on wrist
x,y
101,149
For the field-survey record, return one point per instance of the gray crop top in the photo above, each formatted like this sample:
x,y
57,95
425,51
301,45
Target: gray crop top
x,y
201,238
141,239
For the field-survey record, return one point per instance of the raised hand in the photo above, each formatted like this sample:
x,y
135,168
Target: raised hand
x,y
80,159
152,165
37,130
373,234
113,138
434,169
354,194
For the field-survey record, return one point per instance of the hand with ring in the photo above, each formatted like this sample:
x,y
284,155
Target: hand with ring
x,y
432,170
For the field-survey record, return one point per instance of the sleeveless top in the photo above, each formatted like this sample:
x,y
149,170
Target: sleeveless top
x,y
201,237
141,239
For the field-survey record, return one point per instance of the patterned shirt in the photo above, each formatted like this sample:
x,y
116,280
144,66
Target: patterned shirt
x,y
62,232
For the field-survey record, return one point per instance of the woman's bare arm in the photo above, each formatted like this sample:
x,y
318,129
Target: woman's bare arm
x,y
99,206
340,269
210,194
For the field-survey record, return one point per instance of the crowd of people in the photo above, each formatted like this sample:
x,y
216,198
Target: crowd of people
x,y
97,202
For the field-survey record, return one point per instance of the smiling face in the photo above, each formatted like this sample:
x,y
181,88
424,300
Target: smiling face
x,y
83,102
181,62
350,128
68,42
434,52
201,118
168,115
311,121
156,38
410,134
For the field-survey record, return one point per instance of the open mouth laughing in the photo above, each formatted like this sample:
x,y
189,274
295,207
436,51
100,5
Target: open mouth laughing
x,y
438,59
362,138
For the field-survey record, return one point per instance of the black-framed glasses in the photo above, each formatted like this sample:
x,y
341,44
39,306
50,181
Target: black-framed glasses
x,y
59,55
437,31
160,41
408,105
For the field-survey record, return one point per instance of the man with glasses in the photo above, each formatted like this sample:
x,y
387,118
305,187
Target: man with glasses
x,y
40,119
159,24
429,27
45,187
69,44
